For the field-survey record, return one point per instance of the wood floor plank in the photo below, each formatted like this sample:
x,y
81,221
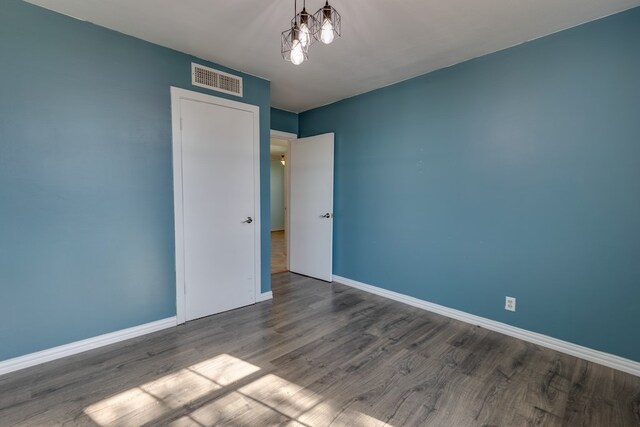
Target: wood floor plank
x,y
321,354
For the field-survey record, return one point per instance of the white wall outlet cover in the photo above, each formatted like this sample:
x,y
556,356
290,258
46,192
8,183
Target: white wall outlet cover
x,y
510,304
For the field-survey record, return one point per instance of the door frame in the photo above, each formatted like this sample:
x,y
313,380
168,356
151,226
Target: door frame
x,y
290,138
178,94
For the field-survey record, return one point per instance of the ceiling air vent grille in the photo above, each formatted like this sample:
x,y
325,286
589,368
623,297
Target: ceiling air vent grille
x,y
215,80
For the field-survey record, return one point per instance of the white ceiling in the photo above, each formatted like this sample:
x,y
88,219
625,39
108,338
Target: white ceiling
x,y
279,146
382,42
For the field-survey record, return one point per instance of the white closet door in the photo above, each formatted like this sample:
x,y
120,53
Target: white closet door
x,y
219,209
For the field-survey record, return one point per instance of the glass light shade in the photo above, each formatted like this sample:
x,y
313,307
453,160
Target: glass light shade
x,y
329,23
326,32
291,46
308,27
305,36
297,54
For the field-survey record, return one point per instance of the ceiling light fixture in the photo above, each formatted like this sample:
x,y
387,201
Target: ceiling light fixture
x,y
291,45
330,23
324,25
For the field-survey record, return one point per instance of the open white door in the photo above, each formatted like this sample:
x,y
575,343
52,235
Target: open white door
x,y
311,206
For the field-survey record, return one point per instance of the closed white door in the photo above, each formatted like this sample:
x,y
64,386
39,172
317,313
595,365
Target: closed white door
x,y
311,207
219,209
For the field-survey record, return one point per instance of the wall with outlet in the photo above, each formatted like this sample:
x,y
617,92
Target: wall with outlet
x,y
514,174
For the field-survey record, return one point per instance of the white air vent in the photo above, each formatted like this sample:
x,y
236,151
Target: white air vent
x,y
215,80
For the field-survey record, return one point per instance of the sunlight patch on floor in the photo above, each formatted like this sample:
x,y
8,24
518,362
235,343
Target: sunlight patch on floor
x,y
152,400
272,400
268,399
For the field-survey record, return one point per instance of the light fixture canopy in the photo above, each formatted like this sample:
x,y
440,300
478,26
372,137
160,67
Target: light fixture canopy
x,y
329,23
282,160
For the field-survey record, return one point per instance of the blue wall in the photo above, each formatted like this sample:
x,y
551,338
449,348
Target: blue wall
x,y
516,174
86,189
284,121
277,194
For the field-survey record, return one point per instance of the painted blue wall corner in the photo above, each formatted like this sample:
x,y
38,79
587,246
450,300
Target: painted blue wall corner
x,y
284,121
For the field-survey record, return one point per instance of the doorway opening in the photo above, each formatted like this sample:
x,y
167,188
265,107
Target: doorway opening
x,y
302,204
279,170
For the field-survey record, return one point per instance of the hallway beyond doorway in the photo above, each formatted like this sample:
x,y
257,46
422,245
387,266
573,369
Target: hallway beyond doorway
x,y
278,252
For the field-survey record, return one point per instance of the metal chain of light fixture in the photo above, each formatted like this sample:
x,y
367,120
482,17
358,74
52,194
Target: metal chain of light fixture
x,y
305,29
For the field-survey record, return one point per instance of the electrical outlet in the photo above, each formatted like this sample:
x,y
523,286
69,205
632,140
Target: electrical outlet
x,y
510,304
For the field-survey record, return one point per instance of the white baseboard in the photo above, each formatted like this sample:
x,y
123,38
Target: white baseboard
x,y
54,353
265,296
595,356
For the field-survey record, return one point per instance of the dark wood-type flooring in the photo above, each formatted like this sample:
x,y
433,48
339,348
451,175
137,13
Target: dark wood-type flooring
x,y
321,354
278,252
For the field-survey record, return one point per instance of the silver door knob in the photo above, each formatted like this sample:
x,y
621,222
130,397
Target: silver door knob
x,y
327,215
249,220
